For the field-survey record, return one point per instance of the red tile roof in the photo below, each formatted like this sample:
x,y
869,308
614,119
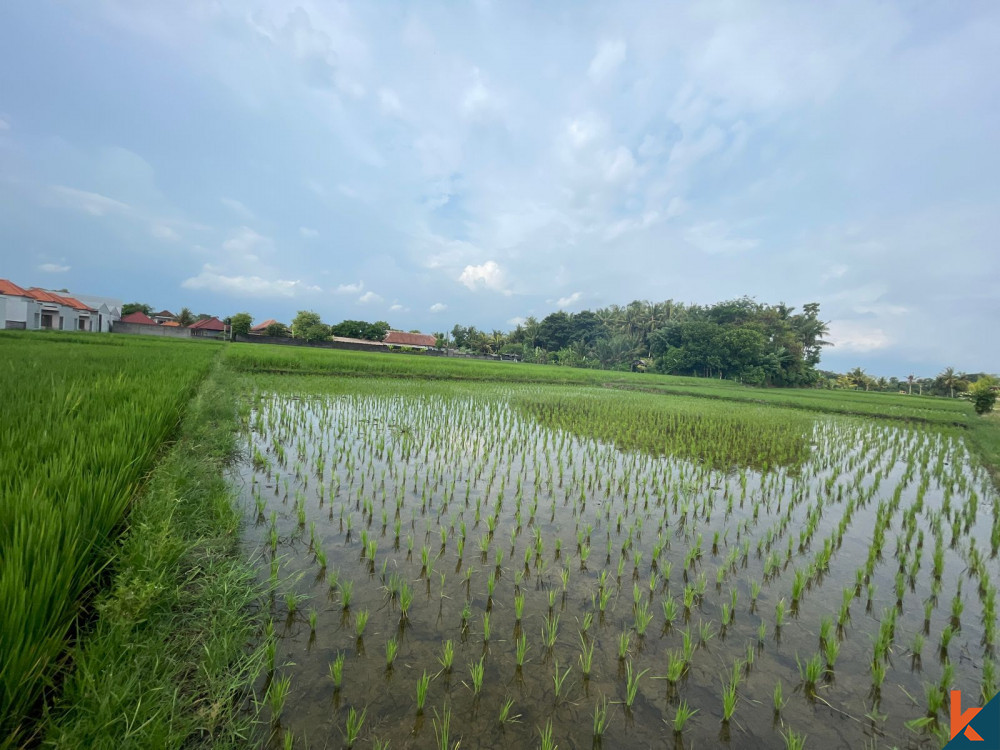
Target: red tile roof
x,y
44,296
263,325
164,314
11,289
170,324
400,338
139,317
209,324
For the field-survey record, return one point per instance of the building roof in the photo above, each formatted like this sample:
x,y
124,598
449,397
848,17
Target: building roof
x,y
401,338
209,324
349,340
164,314
139,317
171,324
263,325
11,289
43,296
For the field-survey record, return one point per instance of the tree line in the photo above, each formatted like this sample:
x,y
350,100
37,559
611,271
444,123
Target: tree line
x,y
741,339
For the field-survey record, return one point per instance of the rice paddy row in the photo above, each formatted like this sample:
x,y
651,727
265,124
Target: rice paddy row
x,y
83,419
500,566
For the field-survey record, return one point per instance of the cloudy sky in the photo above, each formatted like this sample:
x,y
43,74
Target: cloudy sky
x,y
433,163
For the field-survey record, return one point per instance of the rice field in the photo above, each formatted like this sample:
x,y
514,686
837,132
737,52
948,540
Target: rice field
x,y
518,565
83,419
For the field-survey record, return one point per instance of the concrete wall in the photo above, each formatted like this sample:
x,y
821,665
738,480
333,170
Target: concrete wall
x,y
380,348
145,330
21,310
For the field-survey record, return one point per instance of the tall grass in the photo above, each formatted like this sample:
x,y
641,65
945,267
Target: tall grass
x,y
83,421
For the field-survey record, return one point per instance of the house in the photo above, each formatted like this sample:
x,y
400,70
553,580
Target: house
x,y
36,308
18,309
210,327
418,340
59,313
261,327
108,310
138,317
164,316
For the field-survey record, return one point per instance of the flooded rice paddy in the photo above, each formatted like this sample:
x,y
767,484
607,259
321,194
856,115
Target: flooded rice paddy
x,y
443,568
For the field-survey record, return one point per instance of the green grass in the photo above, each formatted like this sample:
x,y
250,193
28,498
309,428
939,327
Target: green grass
x,y
166,662
84,419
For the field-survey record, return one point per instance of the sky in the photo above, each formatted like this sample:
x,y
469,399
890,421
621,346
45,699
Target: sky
x,y
436,163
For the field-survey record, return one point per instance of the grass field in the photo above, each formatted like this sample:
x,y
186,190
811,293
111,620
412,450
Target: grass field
x,y
540,519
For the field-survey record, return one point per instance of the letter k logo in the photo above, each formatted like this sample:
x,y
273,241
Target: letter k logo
x,y
960,721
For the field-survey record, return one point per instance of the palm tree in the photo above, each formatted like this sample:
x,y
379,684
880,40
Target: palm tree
x,y
185,318
949,379
910,379
859,378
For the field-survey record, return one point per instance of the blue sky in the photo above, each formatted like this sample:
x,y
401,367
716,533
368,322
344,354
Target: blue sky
x,y
433,163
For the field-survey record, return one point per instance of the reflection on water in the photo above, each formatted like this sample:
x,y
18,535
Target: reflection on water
x,y
487,520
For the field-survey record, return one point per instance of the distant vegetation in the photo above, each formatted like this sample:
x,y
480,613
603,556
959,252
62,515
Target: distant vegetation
x,y
738,339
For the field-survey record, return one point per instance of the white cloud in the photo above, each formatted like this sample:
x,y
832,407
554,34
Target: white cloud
x,y
4,125
369,297
479,100
164,232
569,301
244,241
438,307
713,237
488,275
308,233
238,208
212,279
852,336
350,288
396,308
389,102
94,204
515,321
53,268
610,54
619,165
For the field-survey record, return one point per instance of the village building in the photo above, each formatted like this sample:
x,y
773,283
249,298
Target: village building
x,y
415,340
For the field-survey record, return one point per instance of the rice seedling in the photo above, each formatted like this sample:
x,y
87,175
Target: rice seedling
x,y
521,649
355,721
729,699
506,716
624,642
600,717
778,698
391,649
682,715
360,621
477,671
447,655
558,679
442,729
632,683
545,737
277,694
794,741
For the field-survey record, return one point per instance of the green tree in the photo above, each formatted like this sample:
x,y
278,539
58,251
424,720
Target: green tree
x,y
308,326
241,323
983,394
185,317
130,307
279,330
951,381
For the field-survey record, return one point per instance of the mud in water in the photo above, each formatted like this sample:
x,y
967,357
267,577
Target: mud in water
x,y
449,497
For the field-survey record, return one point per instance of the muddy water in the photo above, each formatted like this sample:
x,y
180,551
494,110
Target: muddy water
x,y
327,472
